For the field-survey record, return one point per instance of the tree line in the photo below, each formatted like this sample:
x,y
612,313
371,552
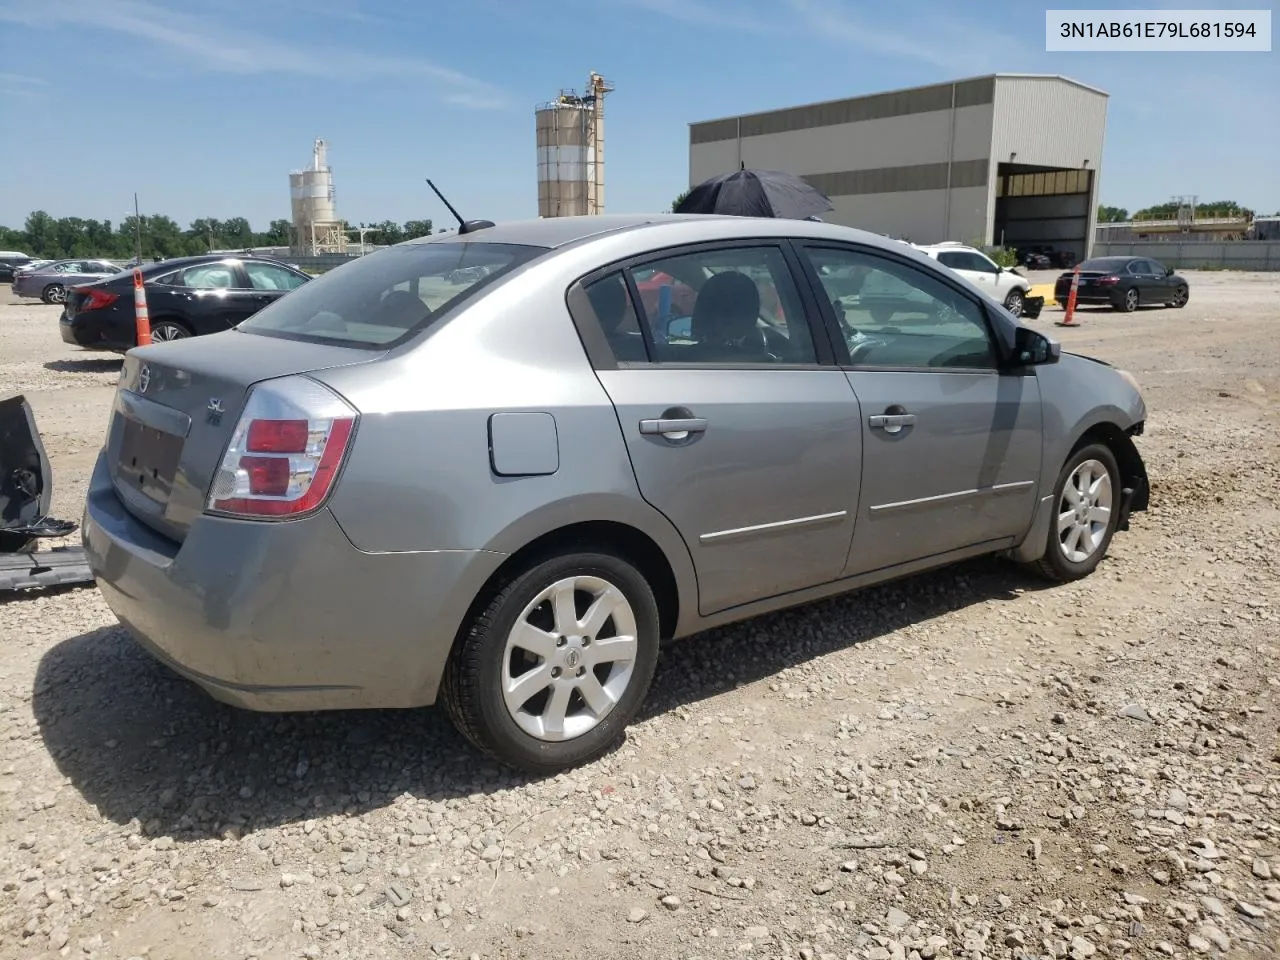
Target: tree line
x,y
44,237
1169,210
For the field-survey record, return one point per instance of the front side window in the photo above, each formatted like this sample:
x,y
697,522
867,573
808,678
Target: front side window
x,y
727,305
209,276
896,315
383,297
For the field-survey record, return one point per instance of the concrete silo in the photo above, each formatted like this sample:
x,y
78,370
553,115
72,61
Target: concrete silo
x,y
570,141
317,228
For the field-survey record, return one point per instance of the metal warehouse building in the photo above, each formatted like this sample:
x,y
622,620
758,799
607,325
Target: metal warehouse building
x,y
1007,158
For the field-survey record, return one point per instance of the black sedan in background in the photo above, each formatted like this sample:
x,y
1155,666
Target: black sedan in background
x,y
1124,283
186,297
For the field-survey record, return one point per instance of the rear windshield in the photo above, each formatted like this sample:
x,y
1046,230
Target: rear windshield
x,y
1104,264
386,296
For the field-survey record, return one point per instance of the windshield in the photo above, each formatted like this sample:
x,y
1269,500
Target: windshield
x,y
387,296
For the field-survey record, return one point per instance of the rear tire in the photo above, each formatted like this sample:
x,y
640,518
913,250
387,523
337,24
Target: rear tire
x,y
1086,500
522,685
163,331
1129,302
54,293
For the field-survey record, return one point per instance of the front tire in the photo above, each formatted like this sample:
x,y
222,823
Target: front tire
x,y
1013,302
1087,509
1180,297
554,666
54,293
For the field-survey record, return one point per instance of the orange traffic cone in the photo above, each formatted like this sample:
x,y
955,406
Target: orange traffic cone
x,y
142,319
1069,320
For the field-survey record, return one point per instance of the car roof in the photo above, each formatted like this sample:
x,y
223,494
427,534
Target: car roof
x,y
673,228
552,232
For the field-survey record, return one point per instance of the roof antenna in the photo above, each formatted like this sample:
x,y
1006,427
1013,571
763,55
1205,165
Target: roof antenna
x,y
464,226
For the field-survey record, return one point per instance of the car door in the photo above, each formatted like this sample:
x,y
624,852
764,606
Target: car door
x,y
1157,281
740,428
951,445
208,296
270,281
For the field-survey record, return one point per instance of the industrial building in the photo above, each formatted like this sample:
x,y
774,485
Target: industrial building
x,y
570,140
1008,159
317,229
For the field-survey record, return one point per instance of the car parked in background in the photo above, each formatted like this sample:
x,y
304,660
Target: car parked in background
x,y
388,488
1007,286
186,297
51,282
1124,283
31,265
10,261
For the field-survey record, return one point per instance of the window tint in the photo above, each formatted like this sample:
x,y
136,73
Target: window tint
x,y
209,276
730,305
382,297
896,315
611,302
268,276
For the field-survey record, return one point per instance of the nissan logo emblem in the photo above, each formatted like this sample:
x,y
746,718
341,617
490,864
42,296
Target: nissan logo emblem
x,y
144,378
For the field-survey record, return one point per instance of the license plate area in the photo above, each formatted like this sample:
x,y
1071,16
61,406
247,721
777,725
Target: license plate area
x,y
148,460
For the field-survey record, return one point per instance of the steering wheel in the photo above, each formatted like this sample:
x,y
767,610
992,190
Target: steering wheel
x,y
862,347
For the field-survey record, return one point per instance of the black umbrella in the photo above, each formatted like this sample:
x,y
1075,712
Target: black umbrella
x,y
756,193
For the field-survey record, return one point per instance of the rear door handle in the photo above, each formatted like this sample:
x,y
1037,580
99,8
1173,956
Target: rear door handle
x,y
891,422
673,429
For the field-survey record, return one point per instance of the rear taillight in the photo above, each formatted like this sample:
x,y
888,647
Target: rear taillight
x,y
95,299
1108,281
285,452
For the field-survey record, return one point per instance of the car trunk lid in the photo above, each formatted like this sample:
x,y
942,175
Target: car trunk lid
x,y
176,407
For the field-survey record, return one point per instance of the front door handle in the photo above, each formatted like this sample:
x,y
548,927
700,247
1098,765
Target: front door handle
x,y
891,422
675,429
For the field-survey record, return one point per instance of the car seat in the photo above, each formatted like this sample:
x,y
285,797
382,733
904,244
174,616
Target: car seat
x,y
725,321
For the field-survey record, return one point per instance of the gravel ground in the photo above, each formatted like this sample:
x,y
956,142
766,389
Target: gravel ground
x,y
963,764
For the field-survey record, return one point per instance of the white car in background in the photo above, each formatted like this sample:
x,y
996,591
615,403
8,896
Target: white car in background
x,y
1002,284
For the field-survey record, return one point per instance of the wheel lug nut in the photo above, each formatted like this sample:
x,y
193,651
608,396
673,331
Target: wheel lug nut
x,y
555,671
560,641
582,671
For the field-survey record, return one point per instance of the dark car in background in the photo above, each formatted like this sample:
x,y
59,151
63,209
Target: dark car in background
x,y
51,281
10,261
186,297
1124,283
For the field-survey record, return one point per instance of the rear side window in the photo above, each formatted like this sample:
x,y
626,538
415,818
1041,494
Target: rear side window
x,y
386,296
616,314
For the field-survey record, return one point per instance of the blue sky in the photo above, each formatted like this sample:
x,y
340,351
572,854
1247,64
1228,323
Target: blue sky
x,y
204,108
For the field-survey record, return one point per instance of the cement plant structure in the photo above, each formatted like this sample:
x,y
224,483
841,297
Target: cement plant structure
x,y
570,141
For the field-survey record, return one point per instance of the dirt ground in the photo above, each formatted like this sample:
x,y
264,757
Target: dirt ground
x,y
963,764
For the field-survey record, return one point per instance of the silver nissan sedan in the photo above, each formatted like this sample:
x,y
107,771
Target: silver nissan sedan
x,y
499,467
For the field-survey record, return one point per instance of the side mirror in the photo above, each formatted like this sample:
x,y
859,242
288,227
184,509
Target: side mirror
x,y
1168,271
1032,348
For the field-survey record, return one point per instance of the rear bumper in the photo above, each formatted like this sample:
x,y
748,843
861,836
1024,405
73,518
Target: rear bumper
x,y
96,333
1086,296
283,615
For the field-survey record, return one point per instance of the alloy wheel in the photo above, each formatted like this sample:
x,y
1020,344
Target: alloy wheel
x,y
162,332
1084,511
569,658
